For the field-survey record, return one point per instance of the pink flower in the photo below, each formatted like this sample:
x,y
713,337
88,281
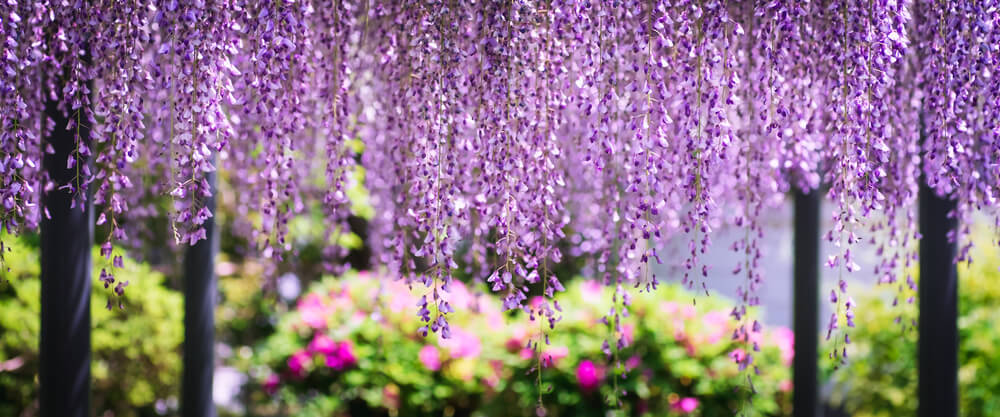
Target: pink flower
x,y
313,311
322,343
271,384
689,404
334,362
517,339
628,332
632,362
738,355
685,405
669,307
340,300
493,379
527,353
397,296
343,292
430,357
785,339
494,318
556,353
513,344
593,291
716,323
462,344
460,297
297,363
785,385
588,376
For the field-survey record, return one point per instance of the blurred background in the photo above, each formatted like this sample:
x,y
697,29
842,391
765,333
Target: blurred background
x,y
294,340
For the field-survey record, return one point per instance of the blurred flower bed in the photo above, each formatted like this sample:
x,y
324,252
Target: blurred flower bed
x,y
350,347
136,352
881,377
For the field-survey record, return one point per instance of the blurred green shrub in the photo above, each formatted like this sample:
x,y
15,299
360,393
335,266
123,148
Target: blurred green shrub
x,y
350,347
245,312
881,377
135,353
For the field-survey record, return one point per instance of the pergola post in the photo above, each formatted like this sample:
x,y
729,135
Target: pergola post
x,y
937,346
199,319
66,239
805,315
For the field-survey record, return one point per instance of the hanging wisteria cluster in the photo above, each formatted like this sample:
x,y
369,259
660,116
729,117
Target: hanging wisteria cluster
x,y
493,130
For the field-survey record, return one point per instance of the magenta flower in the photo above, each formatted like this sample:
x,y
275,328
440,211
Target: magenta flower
x,y
322,343
588,376
342,357
271,384
313,311
335,362
345,350
669,307
430,357
685,405
297,363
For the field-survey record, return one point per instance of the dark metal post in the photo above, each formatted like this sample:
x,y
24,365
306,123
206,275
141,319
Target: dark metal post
x,y
806,305
66,240
937,347
199,320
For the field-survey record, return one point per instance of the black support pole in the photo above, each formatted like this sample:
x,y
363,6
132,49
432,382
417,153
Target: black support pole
x,y
199,320
66,239
806,305
937,346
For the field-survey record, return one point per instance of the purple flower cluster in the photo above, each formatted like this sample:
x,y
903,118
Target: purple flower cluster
x,y
20,102
957,66
491,132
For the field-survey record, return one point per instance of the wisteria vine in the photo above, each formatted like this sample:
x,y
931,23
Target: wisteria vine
x,y
491,131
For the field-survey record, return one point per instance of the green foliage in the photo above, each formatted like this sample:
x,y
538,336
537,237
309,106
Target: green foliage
x,y
135,353
678,351
881,377
244,312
